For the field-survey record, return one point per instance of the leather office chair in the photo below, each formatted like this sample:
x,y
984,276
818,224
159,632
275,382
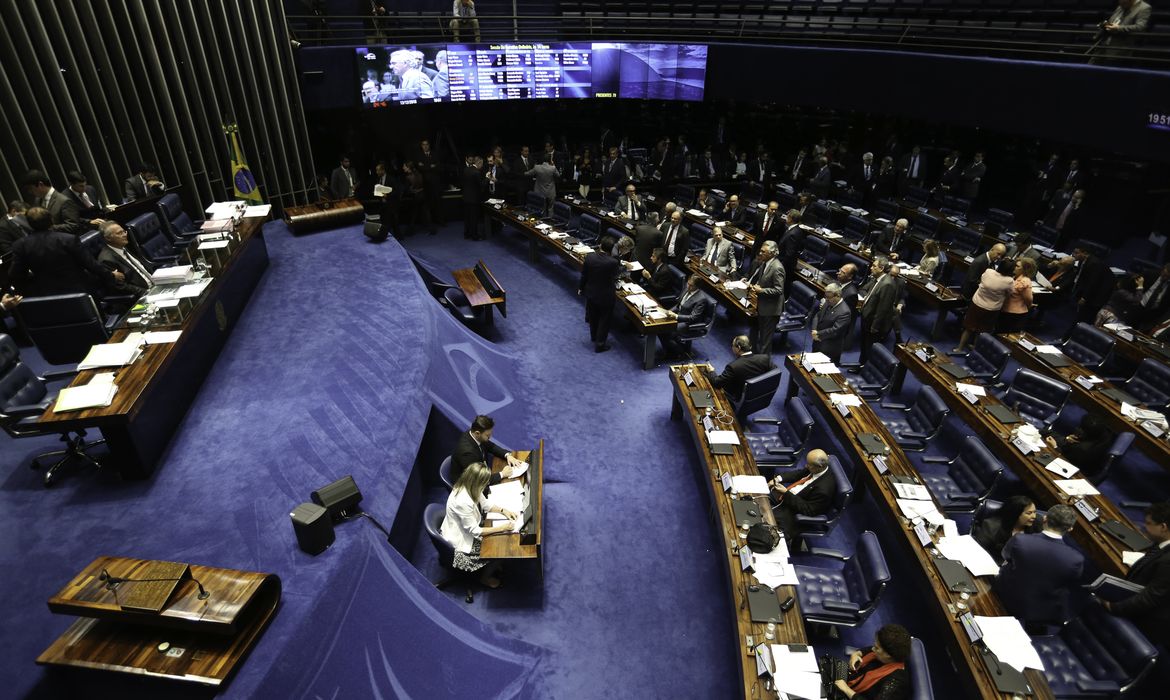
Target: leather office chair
x,y
560,215
534,203
941,270
1117,450
998,221
856,228
877,374
821,213
1146,268
753,191
92,242
1095,655
699,235
1149,384
917,196
988,358
147,233
843,597
610,199
922,421
919,668
459,305
684,195
887,209
678,280
1037,398
445,473
823,524
699,329
64,326
435,285
966,242
1044,235
24,397
616,233
758,393
433,521
589,228
785,200
969,478
816,250
718,201
176,224
925,226
1088,346
782,446
797,309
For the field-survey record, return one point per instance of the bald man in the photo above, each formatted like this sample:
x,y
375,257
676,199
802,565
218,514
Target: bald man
x,y
807,491
978,266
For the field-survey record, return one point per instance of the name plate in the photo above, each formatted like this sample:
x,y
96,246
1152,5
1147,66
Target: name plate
x,y
1125,335
630,226
746,302
1026,344
710,222
714,278
921,354
931,287
806,272
689,378
739,235
880,463
1086,510
922,534
969,259
497,207
745,558
971,398
650,198
855,246
842,409
1084,381
1023,446
1153,428
725,477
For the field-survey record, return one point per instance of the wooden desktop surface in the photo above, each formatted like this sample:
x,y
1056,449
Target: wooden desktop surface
x,y
940,599
476,293
1136,346
1104,549
1090,399
508,545
323,214
791,629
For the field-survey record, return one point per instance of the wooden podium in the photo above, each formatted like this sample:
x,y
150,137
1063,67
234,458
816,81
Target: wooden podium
x,y
324,214
150,618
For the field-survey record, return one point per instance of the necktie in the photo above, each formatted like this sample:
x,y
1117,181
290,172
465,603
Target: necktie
x,y
756,274
138,267
867,172
794,485
349,177
631,208
86,200
767,222
670,241
914,166
714,252
1154,293
1071,175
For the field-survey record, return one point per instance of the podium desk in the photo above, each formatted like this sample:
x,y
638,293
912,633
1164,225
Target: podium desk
x,y
482,290
322,215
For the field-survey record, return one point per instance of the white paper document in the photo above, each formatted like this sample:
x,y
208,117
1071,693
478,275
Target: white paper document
x,y
920,509
723,437
913,492
1048,349
76,398
177,273
964,549
972,389
161,337
110,355
191,290
809,359
843,399
826,368
796,673
1006,638
1077,487
213,245
1130,558
1062,467
751,484
265,209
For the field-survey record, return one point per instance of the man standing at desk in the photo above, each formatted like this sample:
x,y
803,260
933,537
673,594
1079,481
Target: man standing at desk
x,y
831,324
810,491
599,275
475,445
767,281
745,366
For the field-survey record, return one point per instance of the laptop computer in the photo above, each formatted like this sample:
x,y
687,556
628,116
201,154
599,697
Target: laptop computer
x,y
763,605
826,384
746,513
955,575
1006,678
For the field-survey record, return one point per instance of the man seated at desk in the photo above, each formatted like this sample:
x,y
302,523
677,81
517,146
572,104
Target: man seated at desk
x,y
745,366
136,273
475,445
809,491
693,308
656,279
718,252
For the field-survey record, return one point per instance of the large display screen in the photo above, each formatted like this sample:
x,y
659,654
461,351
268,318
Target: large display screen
x,y
391,75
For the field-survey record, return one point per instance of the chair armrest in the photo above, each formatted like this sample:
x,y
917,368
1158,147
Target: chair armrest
x,y
781,450
1135,504
895,406
767,421
866,386
1103,687
966,497
26,410
812,519
829,553
841,606
55,374
911,435
935,459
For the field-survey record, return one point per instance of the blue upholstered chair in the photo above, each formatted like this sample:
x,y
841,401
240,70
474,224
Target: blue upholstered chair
x,y
534,203
753,191
758,393
699,235
856,227
998,220
589,228
445,473
842,596
561,213
990,507
877,374
823,524
610,198
1037,398
966,242
678,280
797,309
616,233
782,446
696,329
457,302
917,196
815,251
64,326
1095,655
919,669
925,226
1088,346
435,285
969,477
1117,450
1150,384
1044,235
92,242
684,195
921,421
176,224
24,397
887,209
152,242
433,522
988,358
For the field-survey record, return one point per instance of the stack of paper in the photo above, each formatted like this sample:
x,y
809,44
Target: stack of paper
x,y
826,368
217,225
582,249
171,275
111,355
914,492
1049,349
508,495
964,549
557,235
842,399
92,395
1077,487
696,212
225,210
632,288
1062,467
750,484
1143,414
161,337
1006,638
774,568
192,290
808,359
795,673
913,510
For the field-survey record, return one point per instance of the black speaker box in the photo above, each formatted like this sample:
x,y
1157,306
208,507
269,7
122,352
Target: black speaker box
x,y
339,498
313,527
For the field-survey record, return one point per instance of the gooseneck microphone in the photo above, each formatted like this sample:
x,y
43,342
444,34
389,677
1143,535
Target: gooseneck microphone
x,y
112,582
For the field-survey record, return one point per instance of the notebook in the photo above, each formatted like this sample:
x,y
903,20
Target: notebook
x,y
746,513
955,575
763,605
956,371
1054,359
1119,396
872,444
701,398
826,384
1007,679
1003,414
1133,539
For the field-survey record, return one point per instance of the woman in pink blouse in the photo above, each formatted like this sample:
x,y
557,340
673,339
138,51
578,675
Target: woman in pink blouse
x,y
986,302
1014,314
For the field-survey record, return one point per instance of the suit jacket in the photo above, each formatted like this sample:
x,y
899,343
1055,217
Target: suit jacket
x,y
758,170
877,315
904,167
850,297
134,281
661,281
707,207
972,176
468,452
65,211
885,242
771,278
95,211
971,282
339,183
736,216
775,227
682,244
992,534
814,499
1135,20
1037,574
724,257
53,262
546,179
135,189
791,243
739,371
613,174
599,274
693,309
473,184
951,179
623,207
1150,609
832,325
11,231
798,168
646,239
822,181
884,184
858,179
1094,283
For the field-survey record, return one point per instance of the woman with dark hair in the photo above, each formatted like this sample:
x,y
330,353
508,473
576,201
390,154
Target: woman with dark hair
x,y
986,302
462,526
1014,314
878,672
1125,302
1087,446
1017,515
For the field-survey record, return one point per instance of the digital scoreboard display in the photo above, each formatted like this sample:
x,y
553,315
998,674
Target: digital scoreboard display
x,y
529,71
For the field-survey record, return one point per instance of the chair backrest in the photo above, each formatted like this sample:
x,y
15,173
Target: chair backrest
x,y
856,226
456,298
1037,396
919,668
1099,250
815,250
925,225
92,242
684,195
1116,451
1001,217
928,413
562,212
976,470
616,233
435,285
610,198
753,191
758,393
1109,648
1045,235
590,224
917,195
822,212
952,205
800,302
988,358
534,202
433,522
843,494
866,573
1088,345
175,220
887,209
880,367
785,200
862,267
63,326
966,241
700,327
1150,383
699,235
445,473
799,425
147,232
1146,268
19,386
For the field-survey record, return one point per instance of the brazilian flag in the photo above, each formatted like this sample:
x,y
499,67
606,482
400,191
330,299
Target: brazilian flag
x,y
243,182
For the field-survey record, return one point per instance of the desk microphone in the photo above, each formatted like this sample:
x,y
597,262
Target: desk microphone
x,y
112,582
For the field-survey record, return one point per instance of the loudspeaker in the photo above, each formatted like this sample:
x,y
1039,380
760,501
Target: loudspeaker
x,y
313,527
339,498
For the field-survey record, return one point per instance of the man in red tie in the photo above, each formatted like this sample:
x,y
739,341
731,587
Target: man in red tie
x,y
810,491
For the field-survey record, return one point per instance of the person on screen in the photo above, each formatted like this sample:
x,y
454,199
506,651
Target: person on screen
x,y
413,84
371,87
386,88
464,16
441,82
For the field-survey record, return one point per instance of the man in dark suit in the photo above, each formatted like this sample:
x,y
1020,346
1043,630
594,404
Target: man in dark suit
x,y
809,491
14,226
823,180
733,212
831,324
708,168
545,176
676,240
760,169
343,181
613,170
146,183
798,168
1156,298
472,198
973,176
1039,569
863,176
599,275
475,445
951,178
1092,285
847,278
89,204
769,226
115,256
64,211
879,309
428,165
1075,177
48,262
745,366
978,266
790,246
894,240
767,280
647,237
1150,609
704,203
629,205
911,170
522,181
886,180
656,277
694,307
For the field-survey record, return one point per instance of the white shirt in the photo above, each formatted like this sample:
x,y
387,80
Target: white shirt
x,y
461,525
1053,535
48,196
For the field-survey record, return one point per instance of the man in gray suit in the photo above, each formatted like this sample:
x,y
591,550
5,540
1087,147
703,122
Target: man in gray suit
x,y
115,256
831,324
40,193
546,175
343,180
767,281
629,205
877,314
718,252
1131,17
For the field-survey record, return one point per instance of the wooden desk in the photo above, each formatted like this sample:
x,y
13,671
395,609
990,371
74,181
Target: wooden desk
x,y
939,599
208,638
647,327
155,391
1136,346
1091,400
791,629
471,281
1101,547
521,545
323,215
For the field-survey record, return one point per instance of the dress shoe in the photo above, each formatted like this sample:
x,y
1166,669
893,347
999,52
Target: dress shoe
x,y
601,348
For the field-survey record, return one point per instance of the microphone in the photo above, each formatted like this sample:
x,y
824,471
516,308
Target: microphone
x,y
112,582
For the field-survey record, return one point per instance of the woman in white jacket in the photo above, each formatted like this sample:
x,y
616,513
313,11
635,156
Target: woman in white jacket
x,y
466,507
